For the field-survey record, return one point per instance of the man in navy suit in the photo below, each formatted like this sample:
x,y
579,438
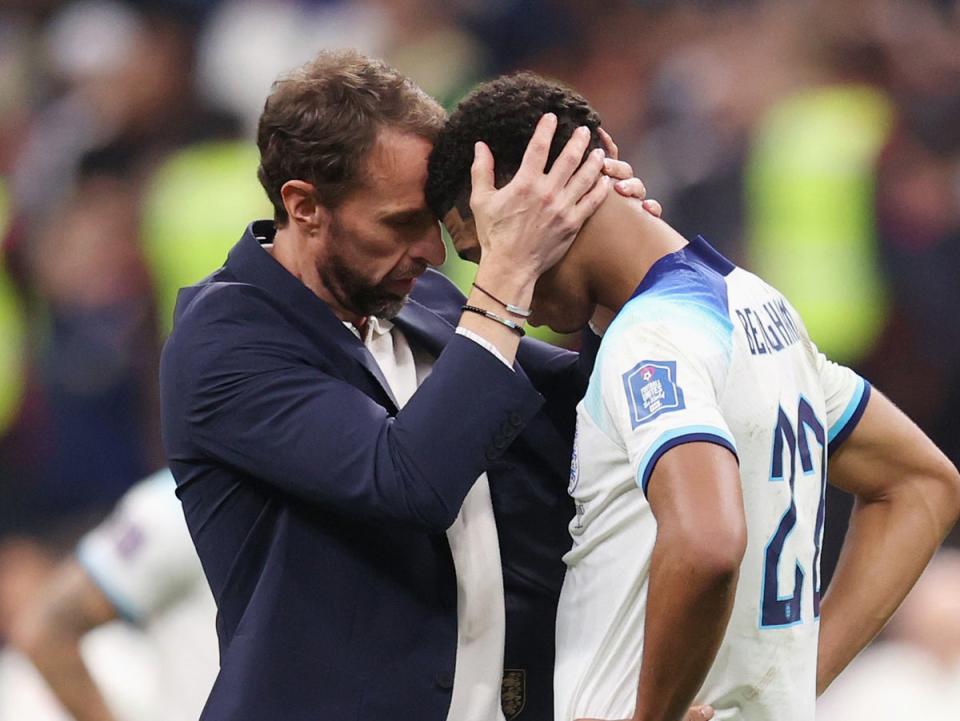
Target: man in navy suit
x,y
374,477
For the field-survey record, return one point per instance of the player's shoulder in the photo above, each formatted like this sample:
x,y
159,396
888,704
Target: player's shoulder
x,y
151,503
681,305
154,495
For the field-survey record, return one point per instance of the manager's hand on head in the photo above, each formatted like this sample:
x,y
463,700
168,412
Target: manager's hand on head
x,y
526,226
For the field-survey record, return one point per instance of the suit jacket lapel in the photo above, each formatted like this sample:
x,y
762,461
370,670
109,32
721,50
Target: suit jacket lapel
x,y
249,262
358,352
421,325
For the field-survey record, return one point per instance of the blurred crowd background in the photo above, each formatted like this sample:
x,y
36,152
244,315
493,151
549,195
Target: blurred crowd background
x,y
816,142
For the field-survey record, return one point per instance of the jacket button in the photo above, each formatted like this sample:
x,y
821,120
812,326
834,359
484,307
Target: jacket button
x,y
444,679
515,420
492,454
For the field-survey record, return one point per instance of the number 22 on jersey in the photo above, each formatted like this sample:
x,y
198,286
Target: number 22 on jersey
x,y
804,435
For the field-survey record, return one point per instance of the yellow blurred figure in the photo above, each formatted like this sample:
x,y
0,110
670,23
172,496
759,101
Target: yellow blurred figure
x,y
13,333
197,205
810,212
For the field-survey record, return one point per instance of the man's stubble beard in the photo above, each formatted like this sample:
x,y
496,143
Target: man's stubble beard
x,y
350,288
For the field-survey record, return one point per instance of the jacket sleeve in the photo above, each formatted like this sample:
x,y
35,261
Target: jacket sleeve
x,y
245,396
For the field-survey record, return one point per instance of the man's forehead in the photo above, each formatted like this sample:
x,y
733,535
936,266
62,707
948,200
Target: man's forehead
x,y
394,174
399,155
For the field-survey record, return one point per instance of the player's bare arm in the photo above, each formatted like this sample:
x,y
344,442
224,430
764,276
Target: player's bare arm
x,y
907,499
694,494
50,632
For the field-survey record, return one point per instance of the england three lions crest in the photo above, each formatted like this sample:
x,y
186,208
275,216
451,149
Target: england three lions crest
x,y
651,388
513,692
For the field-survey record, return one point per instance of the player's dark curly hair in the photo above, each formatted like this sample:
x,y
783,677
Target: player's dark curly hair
x,y
503,113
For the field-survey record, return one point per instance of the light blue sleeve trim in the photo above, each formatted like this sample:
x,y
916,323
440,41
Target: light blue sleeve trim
x,y
848,412
675,437
125,608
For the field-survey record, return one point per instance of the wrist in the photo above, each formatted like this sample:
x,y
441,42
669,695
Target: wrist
x,y
513,285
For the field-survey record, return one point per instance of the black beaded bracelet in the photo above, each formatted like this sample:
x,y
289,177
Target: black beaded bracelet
x,y
513,309
515,327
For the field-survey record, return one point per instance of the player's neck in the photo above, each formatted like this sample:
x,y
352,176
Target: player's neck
x,y
624,242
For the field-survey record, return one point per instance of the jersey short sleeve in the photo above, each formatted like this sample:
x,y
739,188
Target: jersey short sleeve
x,y
141,556
661,381
846,395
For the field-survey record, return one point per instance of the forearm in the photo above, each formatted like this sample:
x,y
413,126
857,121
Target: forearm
x,y
62,666
509,286
54,651
889,542
689,601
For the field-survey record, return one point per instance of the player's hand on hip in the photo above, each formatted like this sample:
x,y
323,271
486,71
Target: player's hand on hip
x,y
699,713
621,173
696,713
529,223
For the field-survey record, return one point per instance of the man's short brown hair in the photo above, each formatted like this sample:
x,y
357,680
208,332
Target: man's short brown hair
x,y
320,122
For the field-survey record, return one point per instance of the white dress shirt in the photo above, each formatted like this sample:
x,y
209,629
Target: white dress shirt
x,y
481,618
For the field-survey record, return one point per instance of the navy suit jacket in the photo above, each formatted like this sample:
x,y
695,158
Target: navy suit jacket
x,y
319,511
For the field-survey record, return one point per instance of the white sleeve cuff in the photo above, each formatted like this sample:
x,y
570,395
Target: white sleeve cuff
x,y
483,342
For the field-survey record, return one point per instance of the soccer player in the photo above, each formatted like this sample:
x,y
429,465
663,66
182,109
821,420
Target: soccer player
x,y
138,566
701,458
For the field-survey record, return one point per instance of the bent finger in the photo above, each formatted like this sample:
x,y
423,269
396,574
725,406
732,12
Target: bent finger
x,y
631,188
653,207
617,169
608,145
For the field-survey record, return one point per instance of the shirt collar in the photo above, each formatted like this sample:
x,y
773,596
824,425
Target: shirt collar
x,y
374,328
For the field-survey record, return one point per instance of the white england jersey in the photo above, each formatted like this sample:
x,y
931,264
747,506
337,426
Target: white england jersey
x,y
144,561
704,351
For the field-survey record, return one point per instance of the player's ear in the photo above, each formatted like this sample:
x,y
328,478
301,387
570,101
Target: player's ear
x,y
302,204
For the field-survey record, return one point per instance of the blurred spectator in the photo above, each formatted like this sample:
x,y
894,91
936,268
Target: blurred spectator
x,y
12,331
120,97
194,208
247,44
914,671
88,429
918,218
809,190
139,566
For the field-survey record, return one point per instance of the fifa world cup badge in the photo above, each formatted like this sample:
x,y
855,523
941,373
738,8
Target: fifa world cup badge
x,y
651,388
